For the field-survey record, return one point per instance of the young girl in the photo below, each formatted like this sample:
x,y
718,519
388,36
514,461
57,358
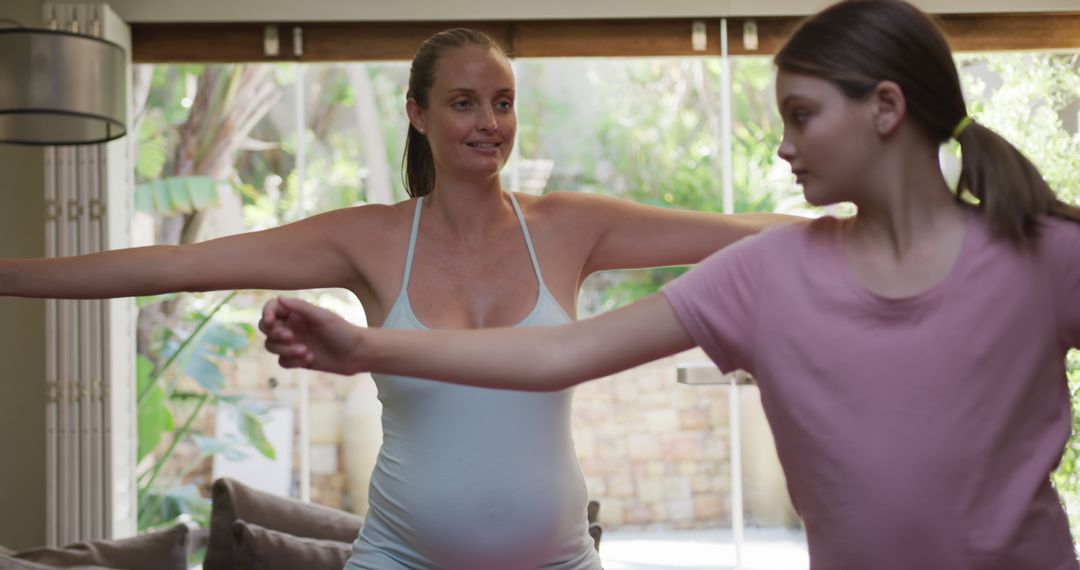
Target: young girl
x,y
910,358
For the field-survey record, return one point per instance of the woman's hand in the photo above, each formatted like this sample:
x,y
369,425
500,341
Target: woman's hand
x,y
306,336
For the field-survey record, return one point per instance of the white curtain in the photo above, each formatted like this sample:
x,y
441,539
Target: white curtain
x,y
90,414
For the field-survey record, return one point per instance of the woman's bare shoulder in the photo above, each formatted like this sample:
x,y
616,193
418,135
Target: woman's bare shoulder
x,y
558,212
564,205
368,218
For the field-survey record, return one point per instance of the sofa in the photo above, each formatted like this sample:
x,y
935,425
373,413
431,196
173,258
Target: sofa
x,y
161,550
252,530
249,530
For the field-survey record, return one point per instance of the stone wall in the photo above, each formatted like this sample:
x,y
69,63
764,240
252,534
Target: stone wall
x,y
656,453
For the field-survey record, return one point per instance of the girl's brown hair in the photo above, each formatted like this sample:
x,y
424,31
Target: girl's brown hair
x,y
417,164
856,44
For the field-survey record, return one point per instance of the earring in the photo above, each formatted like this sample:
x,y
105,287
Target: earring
x,y
422,131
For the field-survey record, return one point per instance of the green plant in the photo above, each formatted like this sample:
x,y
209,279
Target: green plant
x,y
191,352
191,122
176,195
1067,477
203,132
660,134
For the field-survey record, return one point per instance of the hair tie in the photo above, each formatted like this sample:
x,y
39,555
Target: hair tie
x,y
961,127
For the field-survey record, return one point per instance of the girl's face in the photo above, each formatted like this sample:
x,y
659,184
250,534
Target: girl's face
x,y
829,139
470,120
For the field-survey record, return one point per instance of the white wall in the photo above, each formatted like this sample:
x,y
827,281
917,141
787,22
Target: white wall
x,y
381,10
22,338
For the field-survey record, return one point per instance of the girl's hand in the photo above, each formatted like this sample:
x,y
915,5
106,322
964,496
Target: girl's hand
x,y
306,336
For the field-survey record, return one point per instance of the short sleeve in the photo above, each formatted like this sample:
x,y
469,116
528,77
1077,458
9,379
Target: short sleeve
x,y
1063,241
717,301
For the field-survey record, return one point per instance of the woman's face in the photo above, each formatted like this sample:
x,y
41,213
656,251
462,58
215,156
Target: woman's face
x,y
470,121
829,139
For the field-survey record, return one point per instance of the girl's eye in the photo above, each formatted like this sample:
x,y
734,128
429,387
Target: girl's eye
x,y
505,105
799,116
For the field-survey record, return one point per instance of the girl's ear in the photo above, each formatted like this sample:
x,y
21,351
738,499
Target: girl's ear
x,y
890,107
416,115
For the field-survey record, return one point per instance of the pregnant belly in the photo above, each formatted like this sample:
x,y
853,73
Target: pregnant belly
x,y
483,511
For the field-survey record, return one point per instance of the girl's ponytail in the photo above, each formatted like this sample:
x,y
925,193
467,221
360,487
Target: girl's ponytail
x,y
1011,192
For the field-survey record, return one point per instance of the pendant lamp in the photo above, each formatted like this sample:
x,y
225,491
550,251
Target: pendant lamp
x,y
60,88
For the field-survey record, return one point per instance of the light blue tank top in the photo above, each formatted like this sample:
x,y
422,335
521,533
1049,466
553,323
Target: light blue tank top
x,y
474,478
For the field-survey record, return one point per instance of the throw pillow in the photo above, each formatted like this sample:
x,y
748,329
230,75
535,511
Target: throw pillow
x,y
162,550
259,548
9,563
233,500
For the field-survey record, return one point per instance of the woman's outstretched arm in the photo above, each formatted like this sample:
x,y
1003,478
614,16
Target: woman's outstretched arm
x,y
531,358
628,235
306,254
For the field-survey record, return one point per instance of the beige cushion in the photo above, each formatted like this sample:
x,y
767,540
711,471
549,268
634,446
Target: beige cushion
x,y
233,500
259,548
162,550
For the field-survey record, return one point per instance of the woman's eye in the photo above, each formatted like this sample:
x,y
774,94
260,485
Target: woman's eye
x,y
460,104
505,105
799,117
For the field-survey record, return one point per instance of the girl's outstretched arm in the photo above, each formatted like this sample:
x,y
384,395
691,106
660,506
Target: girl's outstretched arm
x,y
531,358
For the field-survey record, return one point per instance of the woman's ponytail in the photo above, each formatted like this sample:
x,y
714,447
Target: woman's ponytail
x,y
418,165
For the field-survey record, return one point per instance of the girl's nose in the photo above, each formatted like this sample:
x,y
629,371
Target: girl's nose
x,y
786,150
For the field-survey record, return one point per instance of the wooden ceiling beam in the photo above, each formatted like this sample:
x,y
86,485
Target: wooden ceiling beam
x,y
380,41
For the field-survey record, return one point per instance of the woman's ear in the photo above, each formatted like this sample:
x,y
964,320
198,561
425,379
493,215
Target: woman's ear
x,y
416,115
890,107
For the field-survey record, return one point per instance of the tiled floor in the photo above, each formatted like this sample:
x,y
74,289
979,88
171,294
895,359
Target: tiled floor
x,y
763,549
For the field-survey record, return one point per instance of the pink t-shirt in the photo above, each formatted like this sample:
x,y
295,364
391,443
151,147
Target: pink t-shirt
x,y
915,433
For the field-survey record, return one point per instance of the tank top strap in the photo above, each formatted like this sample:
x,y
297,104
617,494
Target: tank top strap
x,y
528,240
412,247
